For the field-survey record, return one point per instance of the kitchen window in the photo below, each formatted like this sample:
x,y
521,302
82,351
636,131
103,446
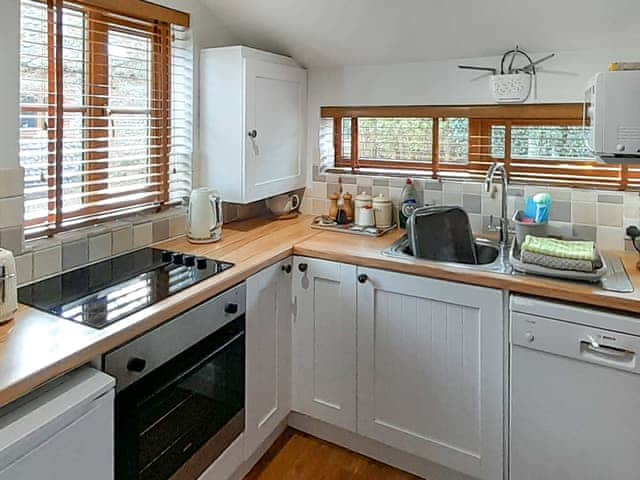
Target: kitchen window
x,y
105,110
539,144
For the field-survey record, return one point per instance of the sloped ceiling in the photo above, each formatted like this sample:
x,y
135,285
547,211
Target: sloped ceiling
x,y
322,33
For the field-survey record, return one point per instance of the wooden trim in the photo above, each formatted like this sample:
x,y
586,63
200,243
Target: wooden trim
x,y
161,104
337,140
435,147
95,113
546,111
355,141
507,146
139,9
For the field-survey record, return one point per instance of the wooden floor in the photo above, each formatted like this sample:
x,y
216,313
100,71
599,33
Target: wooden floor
x,y
298,456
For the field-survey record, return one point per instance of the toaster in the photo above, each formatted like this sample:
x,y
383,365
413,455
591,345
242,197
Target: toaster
x,y
8,286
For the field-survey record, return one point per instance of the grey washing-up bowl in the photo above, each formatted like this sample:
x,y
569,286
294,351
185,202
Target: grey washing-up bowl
x,y
524,229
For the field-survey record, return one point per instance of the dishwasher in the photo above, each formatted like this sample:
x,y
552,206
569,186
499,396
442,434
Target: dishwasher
x,y
575,392
62,431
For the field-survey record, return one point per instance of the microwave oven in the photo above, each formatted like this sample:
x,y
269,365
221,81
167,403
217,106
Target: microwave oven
x,y
611,119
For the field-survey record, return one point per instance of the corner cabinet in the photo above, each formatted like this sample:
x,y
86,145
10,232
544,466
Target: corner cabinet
x,y
252,123
430,369
324,341
268,353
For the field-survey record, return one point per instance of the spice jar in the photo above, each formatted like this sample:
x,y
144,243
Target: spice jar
x,y
383,211
362,200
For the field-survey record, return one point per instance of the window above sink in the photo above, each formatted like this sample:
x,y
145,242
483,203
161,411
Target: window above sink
x,y
539,144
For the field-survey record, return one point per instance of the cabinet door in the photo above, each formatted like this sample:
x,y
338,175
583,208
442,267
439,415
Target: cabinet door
x,y
268,360
275,106
430,369
324,341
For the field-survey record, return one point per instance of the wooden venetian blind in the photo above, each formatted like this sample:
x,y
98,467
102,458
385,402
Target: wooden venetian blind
x,y
105,98
541,144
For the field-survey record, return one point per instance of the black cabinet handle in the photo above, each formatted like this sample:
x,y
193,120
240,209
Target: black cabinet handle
x,y
136,365
286,268
231,308
303,267
362,278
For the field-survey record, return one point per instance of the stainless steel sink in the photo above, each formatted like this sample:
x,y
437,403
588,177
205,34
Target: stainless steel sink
x,y
491,256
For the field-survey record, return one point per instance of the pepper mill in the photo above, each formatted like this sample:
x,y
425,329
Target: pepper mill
x,y
333,209
348,206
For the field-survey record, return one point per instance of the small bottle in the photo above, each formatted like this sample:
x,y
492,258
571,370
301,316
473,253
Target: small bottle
x,y
408,203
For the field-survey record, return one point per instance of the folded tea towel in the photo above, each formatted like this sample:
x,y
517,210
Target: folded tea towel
x,y
557,263
573,249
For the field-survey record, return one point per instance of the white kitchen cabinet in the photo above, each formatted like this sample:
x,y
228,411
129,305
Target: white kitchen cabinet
x,y
324,341
430,369
268,353
252,123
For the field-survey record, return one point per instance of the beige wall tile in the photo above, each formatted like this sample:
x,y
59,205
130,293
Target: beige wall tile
x,y
583,213
177,226
318,190
47,262
142,235
24,268
11,211
11,182
122,240
99,247
609,215
609,238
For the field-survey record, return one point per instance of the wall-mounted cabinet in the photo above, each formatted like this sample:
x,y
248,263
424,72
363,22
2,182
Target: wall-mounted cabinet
x,y
252,123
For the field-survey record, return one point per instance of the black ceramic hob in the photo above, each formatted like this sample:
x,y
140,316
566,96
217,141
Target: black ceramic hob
x,y
103,293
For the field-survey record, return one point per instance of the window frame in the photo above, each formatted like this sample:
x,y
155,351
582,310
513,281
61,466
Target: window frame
x,y
481,119
99,19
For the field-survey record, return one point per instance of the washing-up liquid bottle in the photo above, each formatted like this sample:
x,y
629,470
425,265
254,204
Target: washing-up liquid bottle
x,y
408,203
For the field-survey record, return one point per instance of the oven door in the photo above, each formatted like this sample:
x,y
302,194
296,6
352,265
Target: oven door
x,y
176,421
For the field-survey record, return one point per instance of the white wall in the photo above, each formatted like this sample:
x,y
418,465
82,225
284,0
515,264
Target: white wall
x,y
562,79
9,47
207,31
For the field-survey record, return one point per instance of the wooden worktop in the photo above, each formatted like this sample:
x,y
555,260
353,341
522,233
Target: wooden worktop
x,y
367,252
37,347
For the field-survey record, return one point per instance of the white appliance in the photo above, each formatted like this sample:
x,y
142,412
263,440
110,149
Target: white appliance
x,y
252,119
63,431
575,392
205,216
8,286
612,108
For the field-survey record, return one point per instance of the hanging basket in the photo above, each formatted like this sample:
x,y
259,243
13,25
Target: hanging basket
x,y
510,87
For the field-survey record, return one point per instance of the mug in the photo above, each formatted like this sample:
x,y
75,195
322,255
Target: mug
x,y
283,204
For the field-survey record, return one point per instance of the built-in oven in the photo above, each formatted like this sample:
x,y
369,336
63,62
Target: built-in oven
x,y
180,391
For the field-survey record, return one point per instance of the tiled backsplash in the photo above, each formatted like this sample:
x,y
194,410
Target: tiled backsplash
x,y
41,258
49,256
591,214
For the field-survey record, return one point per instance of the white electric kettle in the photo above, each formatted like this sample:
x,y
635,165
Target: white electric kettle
x,y
205,216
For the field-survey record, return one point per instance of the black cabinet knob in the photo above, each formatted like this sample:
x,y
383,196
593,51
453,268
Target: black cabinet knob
x,y
136,365
362,278
201,263
303,267
231,308
286,268
189,260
